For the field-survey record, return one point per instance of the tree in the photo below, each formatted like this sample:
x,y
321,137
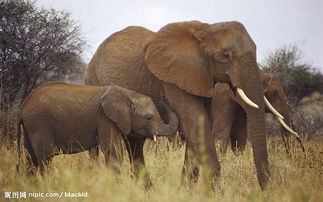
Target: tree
x,y
299,79
36,46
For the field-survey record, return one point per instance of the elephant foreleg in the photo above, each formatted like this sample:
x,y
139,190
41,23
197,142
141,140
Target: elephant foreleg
x,y
190,172
224,145
135,147
200,147
239,132
110,141
223,112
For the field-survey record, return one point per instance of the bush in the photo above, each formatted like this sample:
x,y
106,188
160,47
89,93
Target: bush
x,y
36,46
299,79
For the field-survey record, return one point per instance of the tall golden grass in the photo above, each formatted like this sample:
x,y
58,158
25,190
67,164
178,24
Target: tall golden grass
x,y
297,177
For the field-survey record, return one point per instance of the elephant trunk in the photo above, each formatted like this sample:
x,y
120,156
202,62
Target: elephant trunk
x,y
247,77
256,132
287,133
172,126
287,120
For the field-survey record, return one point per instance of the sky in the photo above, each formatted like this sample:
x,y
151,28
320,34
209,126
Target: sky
x,y
271,24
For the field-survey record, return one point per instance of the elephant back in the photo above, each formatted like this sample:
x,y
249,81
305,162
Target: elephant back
x,y
119,60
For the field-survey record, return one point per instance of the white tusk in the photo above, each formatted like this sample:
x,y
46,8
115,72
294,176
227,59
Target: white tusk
x,y
246,99
281,121
155,138
272,109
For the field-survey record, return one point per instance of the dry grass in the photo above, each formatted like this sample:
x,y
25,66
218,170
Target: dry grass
x,y
295,178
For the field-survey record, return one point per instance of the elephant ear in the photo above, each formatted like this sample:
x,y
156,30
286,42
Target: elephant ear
x,y
173,56
116,106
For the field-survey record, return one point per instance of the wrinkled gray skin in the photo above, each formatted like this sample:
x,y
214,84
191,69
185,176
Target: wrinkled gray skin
x,y
229,119
182,61
73,118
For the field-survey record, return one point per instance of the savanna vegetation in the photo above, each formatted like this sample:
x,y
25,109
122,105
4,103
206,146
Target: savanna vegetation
x,y
297,177
37,45
29,57
298,77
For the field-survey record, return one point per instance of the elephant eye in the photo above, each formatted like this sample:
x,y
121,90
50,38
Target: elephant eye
x,y
149,117
227,54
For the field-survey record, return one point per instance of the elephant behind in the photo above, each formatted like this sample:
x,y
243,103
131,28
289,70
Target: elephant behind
x,y
122,56
181,62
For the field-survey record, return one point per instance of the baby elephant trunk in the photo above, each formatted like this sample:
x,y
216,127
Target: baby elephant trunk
x,y
172,126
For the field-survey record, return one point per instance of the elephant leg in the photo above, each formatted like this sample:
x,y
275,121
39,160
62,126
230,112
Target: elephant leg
x,y
43,164
44,158
223,136
222,113
224,143
190,172
94,153
200,147
32,162
178,140
44,149
110,141
135,147
239,133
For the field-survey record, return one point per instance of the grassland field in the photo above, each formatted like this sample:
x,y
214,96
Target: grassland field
x,y
295,177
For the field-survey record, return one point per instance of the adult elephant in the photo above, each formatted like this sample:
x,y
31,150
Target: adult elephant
x,y
182,61
229,119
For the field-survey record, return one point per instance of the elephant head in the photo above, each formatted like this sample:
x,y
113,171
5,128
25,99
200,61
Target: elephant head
x,y
194,55
274,92
229,120
135,112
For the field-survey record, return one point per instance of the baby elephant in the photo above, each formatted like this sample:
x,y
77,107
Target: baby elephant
x,y
73,118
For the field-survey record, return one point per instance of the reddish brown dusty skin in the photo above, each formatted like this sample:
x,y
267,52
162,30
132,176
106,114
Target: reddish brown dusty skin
x,y
191,56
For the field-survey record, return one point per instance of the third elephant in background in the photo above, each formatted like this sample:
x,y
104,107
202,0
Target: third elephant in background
x,y
229,119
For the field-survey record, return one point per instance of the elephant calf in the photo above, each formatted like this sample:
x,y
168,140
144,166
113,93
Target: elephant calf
x,y
73,118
